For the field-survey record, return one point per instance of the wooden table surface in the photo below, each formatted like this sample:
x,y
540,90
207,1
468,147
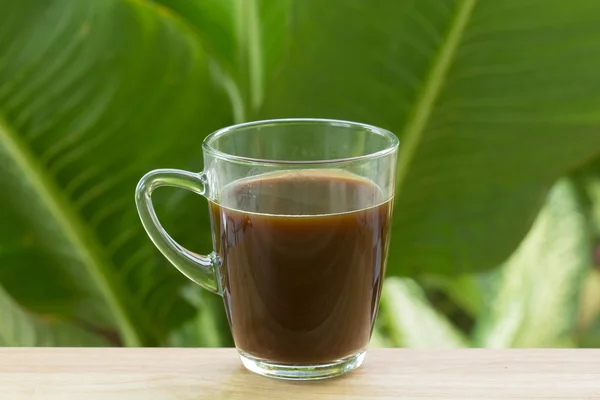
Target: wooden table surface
x,y
197,374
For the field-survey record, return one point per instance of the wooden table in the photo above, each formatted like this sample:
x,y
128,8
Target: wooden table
x,y
197,374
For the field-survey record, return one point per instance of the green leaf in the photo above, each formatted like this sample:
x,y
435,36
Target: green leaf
x,y
209,328
20,329
248,38
93,95
536,293
411,321
492,100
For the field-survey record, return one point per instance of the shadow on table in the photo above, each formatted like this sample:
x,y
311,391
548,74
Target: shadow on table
x,y
243,384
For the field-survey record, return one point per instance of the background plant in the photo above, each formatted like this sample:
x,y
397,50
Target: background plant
x,y
493,101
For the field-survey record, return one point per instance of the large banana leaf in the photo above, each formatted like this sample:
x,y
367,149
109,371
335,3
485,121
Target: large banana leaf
x,y
92,95
492,100
535,296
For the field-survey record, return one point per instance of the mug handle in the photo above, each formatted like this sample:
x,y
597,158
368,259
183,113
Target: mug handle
x,y
203,270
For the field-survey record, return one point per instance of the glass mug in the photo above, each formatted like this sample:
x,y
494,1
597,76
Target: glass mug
x,y
301,216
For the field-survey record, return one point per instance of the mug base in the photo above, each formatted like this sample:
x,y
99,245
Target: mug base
x,y
303,371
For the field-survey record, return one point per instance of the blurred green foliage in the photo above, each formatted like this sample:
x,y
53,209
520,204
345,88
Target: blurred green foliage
x,y
493,102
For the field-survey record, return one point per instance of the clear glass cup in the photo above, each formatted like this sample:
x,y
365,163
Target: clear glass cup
x,y
301,216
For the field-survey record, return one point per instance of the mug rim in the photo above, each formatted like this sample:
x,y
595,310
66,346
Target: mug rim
x,y
393,144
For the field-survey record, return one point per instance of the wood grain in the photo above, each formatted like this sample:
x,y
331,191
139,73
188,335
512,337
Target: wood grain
x,y
198,374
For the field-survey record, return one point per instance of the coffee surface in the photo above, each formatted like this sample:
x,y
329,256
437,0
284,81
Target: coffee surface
x,y
303,261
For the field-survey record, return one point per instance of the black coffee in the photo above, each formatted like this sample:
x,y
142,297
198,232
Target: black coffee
x,y
303,262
